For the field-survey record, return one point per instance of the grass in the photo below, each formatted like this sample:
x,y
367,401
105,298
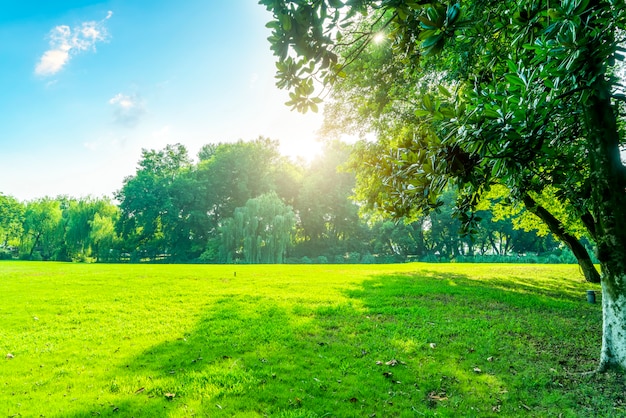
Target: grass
x,y
300,341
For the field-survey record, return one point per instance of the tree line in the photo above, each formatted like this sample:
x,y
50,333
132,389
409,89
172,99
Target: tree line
x,y
244,202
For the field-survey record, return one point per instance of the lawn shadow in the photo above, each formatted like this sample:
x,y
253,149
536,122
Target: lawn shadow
x,y
543,290
510,342
423,342
240,346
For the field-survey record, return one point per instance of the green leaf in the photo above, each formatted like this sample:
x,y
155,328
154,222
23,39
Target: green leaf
x,y
453,13
512,66
427,23
429,42
427,34
428,104
514,79
444,91
285,20
490,113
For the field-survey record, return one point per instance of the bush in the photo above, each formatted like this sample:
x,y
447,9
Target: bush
x,y
322,260
431,258
5,254
306,260
354,257
339,260
368,259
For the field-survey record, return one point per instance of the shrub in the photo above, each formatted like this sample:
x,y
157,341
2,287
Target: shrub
x,y
322,260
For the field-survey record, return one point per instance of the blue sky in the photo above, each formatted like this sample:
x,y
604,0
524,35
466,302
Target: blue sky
x,y
87,84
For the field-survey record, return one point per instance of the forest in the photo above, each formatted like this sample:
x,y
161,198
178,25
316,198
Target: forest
x,y
244,202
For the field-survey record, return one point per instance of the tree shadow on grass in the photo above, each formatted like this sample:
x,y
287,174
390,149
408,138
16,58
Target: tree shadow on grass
x,y
548,287
534,338
227,365
399,345
545,291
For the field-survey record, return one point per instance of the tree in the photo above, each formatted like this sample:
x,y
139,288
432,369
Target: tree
x,y
230,174
153,218
259,232
43,229
173,208
11,219
518,93
102,236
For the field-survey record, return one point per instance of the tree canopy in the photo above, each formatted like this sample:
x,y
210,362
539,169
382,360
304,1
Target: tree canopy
x,y
476,93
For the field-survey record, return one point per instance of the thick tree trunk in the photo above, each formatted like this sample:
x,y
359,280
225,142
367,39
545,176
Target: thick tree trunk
x,y
557,228
613,353
609,208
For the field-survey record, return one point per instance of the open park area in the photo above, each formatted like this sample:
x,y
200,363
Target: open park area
x,y
301,341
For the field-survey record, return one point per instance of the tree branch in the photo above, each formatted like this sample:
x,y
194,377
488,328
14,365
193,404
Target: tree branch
x,y
558,229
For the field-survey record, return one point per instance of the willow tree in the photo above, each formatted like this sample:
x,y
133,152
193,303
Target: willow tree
x,y
519,93
259,232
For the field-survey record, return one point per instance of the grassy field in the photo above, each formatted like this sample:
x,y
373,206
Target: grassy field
x,y
81,340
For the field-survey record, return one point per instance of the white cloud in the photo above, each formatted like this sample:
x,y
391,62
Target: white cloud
x,y
127,109
66,42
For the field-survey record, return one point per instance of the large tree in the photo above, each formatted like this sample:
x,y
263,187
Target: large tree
x,y
259,232
42,236
154,204
230,174
480,92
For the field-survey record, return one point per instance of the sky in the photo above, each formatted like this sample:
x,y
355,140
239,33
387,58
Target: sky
x,y
86,85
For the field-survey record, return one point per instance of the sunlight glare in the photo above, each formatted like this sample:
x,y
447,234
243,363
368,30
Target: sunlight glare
x,y
379,38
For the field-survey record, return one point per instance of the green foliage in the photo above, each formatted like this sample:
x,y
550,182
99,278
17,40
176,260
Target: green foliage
x,y
174,210
521,94
151,221
321,259
11,221
458,98
5,254
66,229
43,229
259,232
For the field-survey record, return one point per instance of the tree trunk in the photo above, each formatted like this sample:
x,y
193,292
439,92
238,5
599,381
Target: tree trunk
x,y
32,249
608,201
557,228
613,353
493,244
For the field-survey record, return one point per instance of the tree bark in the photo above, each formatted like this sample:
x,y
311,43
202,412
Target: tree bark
x,y
613,354
557,228
608,202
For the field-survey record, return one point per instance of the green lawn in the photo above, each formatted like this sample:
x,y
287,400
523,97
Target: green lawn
x,y
300,341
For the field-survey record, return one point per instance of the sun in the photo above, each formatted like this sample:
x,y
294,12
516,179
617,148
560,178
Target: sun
x,y
379,38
